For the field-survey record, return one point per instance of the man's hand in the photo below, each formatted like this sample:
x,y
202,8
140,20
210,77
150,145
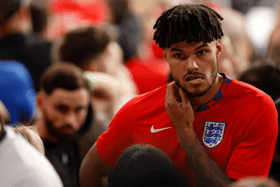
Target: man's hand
x,y
178,107
207,172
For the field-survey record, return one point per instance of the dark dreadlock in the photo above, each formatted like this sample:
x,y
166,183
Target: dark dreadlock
x,y
190,23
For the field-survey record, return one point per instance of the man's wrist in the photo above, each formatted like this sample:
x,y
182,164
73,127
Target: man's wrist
x,y
185,134
185,129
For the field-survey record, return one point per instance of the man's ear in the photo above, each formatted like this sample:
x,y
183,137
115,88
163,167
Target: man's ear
x,y
39,100
219,47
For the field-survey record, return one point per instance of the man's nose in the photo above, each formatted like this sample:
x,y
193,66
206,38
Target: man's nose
x,y
191,64
72,120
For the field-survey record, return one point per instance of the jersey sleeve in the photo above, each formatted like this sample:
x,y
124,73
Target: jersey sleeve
x,y
254,150
119,134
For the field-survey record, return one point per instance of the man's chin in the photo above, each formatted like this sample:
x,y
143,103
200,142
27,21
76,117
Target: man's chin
x,y
197,93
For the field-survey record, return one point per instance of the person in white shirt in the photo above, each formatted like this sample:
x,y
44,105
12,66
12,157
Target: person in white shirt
x,y
21,164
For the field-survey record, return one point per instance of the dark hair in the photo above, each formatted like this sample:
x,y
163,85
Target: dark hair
x,y
82,45
265,75
63,75
39,17
7,9
144,166
187,22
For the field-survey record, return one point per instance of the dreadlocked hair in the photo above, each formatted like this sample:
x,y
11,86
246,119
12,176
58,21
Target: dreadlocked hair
x,y
188,22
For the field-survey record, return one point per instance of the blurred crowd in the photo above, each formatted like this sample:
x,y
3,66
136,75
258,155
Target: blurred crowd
x,y
103,52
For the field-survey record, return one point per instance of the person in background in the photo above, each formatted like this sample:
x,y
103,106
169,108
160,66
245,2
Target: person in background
x,y
265,75
17,42
21,164
215,129
40,20
128,26
64,114
92,49
144,166
17,91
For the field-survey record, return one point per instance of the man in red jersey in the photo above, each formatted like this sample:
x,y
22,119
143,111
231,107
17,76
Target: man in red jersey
x,y
215,129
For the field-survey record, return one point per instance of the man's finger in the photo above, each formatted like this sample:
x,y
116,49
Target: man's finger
x,y
176,93
169,92
184,96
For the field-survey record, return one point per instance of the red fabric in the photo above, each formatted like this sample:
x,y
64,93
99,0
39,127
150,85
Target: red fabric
x,y
248,141
157,51
148,74
70,13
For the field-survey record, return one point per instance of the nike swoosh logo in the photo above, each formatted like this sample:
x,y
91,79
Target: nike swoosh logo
x,y
158,130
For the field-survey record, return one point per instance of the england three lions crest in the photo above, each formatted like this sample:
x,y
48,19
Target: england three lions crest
x,y
213,133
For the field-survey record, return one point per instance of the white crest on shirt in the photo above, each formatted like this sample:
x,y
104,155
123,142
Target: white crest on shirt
x,y
213,133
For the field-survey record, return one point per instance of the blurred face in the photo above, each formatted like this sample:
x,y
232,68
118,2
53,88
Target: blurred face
x,y
65,112
193,66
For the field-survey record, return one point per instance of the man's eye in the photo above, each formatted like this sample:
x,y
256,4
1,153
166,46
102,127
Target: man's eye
x,y
80,109
178,56
62,108
202,52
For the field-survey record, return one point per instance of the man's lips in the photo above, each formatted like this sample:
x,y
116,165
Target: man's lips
x,y
193,77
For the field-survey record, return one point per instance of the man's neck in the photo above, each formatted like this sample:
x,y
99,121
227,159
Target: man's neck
x,y
197,101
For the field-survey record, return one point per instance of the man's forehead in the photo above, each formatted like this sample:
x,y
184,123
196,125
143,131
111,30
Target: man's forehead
x,y
192,44
66,97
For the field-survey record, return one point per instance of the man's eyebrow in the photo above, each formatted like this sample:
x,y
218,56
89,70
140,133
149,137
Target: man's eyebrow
x,y
61,105
176,49
202,45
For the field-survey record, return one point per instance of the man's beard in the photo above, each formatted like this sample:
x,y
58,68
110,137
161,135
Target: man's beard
x,y
55,132
203,92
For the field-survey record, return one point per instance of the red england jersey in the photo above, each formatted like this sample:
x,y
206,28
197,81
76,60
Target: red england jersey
x,y
237,128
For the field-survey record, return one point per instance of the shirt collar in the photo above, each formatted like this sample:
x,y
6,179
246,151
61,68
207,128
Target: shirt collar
x,y
216,98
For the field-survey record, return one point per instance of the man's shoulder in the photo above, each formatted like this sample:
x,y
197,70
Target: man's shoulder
x,y
141,105
246,90
151,98
247,96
